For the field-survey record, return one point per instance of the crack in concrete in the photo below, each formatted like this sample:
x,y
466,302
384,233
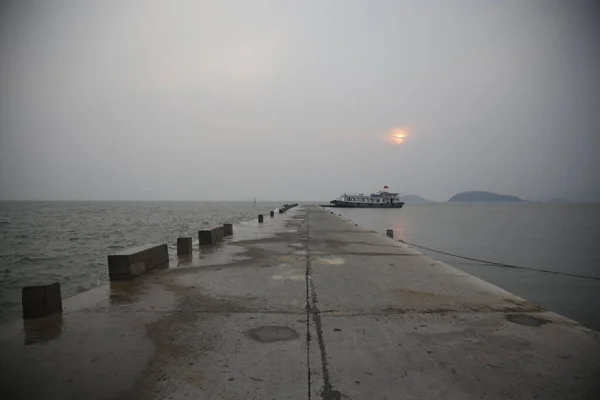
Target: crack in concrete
x,y
307,311
327,393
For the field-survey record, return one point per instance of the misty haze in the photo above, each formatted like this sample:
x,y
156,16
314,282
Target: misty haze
x,y
332,199
194,100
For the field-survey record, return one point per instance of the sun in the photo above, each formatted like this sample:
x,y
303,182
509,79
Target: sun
x,y
398,135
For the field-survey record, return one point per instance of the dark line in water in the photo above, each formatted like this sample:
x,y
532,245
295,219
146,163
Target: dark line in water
x,y
496,264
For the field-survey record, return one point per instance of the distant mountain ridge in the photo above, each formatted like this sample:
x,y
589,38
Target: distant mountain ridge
x,y
484,197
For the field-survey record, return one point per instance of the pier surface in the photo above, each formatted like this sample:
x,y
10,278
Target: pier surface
x,y
309,306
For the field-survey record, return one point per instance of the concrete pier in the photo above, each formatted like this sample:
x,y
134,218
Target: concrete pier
x,y
136,261
314,308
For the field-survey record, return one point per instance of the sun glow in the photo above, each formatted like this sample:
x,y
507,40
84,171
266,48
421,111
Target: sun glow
x,y
398,135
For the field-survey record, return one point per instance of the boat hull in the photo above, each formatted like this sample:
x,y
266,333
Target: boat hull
x,y
348,204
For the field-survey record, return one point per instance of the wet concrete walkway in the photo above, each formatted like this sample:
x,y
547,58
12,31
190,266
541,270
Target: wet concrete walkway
x,y
309,306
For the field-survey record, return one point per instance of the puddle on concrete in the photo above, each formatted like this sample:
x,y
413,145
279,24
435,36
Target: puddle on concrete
x,y
42,330
287,273
330,260
289,259
288,277
527,320
268,334
184,260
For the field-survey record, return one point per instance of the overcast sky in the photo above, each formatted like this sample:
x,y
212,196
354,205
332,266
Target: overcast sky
x,y
219,100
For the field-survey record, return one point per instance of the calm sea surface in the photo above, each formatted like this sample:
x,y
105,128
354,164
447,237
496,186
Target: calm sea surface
x,y
69,241
556,237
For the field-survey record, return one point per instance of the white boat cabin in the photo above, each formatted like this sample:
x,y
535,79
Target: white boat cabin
x,y
381,197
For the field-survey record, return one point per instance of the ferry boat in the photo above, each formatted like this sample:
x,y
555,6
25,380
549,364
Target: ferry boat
x,y
381,199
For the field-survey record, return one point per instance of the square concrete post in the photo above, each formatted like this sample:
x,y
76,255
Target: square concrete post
x,y
390,233
272,214
131,263
228,229
211,236
184,246
41,300
260,218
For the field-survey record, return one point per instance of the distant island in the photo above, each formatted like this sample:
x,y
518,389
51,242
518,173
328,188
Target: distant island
x,y
484,197
413,199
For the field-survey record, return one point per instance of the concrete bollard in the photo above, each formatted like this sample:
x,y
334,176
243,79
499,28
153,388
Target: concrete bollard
x,y
184,246
390,233
260,218
281,211
228,229
41,300
272,214
211,236
130,263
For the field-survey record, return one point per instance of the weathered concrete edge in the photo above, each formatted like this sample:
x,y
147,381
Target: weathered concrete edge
x,y
484,285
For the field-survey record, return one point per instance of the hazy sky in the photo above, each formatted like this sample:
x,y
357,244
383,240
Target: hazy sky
x,y
185,100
